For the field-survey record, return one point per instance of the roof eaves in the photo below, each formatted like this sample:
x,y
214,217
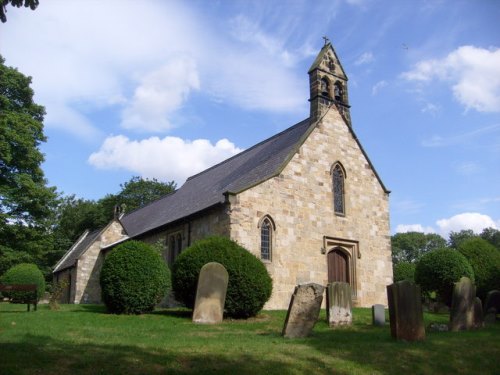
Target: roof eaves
x,y
70,251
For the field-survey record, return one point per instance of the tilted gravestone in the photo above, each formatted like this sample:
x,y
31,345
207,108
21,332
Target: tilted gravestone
x,y
462,305
303,311
210,294
378,315
405,311
478,313
339,304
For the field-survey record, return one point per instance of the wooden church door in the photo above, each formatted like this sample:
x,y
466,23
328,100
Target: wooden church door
x,y
338,266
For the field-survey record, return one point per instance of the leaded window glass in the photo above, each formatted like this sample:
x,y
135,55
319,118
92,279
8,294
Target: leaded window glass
x,y
338,190
179,245
265,240
171,250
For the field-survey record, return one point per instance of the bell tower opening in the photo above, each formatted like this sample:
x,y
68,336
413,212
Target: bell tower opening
x,y
328,84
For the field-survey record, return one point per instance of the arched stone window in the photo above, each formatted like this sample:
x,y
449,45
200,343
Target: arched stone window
x,y
179,245
338,181
174,247
338,92
267,228
325,87
171,250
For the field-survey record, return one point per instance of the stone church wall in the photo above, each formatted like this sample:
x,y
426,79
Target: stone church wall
x,y
300,202
88,289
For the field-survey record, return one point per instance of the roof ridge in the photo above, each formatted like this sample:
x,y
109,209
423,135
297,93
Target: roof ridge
x,y
248,149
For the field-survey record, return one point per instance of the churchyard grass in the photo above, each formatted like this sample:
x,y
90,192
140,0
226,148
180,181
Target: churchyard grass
x,y
83,339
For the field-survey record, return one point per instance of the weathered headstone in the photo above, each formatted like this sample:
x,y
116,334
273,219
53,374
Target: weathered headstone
x,y
462,305
378,315
492,301
490,316
339,304
303,311
405,311
210,294
478,313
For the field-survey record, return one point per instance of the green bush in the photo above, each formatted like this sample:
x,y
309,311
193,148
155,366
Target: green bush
x,y
438,270
24,273
249,285
404,271
485,261
134,278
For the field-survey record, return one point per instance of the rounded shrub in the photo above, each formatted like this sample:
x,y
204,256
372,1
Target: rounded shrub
x,y
134,278
24,273
249,285
438,270
485,261
404,271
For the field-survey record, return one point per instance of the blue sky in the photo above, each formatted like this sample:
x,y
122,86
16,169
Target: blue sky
x,y
165,89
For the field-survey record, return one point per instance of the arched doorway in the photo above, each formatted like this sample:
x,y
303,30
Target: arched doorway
x,y
338,266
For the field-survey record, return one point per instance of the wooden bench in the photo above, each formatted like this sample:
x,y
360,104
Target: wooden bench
x,y
31,299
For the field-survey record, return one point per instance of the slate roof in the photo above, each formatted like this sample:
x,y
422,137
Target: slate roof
x,y
79,247
208,188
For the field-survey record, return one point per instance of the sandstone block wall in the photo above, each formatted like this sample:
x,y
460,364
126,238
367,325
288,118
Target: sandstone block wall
x,y
300,201
88,268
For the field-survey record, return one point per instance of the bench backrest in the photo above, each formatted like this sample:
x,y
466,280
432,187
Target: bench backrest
x,y
18,287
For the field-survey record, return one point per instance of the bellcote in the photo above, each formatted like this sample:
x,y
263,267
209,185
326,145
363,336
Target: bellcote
x,y
328,84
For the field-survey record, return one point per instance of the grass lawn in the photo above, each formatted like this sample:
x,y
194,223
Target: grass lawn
x,y
83,339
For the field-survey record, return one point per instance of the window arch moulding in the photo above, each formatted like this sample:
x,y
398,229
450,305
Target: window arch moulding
x,y
339,176
267,230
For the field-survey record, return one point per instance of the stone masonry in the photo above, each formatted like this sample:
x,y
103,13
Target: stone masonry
x,y
300,201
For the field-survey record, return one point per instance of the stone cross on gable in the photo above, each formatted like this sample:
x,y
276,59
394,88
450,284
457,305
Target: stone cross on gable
x,y
326,40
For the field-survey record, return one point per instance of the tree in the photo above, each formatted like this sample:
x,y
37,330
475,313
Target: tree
x,y
410,246
456,238
15,3
492,236
26,202
74,216
485,261
438,271
136,193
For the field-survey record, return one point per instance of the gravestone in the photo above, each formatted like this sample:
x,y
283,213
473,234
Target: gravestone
x,y
492,301
378,315
303,311
339,304
210,294
405,311
462,305
478,313
490,317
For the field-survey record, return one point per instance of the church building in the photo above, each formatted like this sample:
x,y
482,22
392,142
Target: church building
x,y
307,202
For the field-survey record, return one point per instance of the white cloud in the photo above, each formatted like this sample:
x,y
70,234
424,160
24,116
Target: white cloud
x,y
93,56
365,58
378,86
430,108
170,158
467,168
439,141
474,75
160,94
468,220
404,228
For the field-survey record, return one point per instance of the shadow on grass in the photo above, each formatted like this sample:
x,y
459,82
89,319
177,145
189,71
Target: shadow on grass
x,y
44,355
174,313
95,309
374,351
